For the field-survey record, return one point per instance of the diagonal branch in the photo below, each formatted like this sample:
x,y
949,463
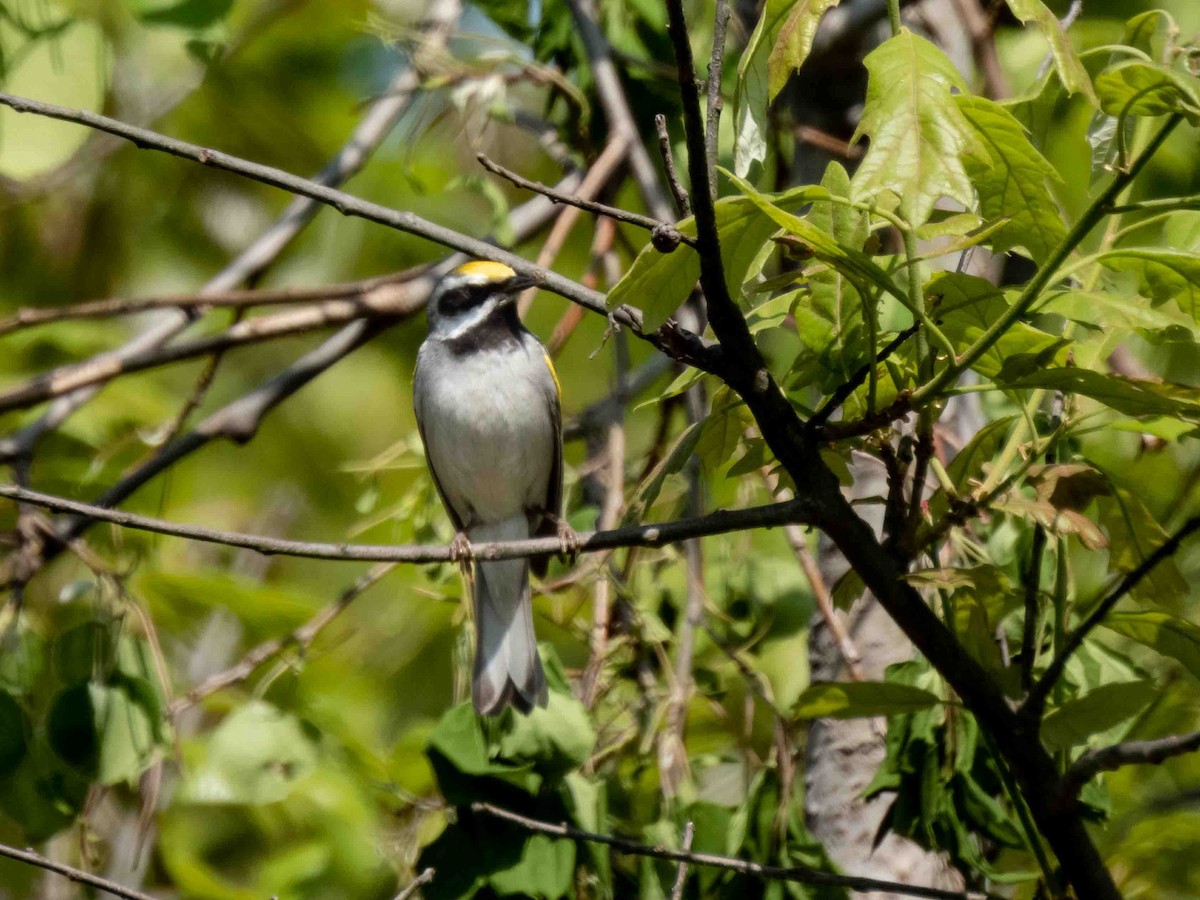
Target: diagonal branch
x,y
797,874
1035,703
603,209
370,132
1130,753
672,340
71,873
652,535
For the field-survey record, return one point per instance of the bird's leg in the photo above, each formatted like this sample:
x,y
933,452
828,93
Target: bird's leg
x,y
461,552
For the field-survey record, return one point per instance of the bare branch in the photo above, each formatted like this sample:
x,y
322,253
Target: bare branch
x,y
682,201
602,209
715,102
71,873
616,107
385,300
417,883
673,340
1130,753
1035,702
689,831
653,535
34,316
798,874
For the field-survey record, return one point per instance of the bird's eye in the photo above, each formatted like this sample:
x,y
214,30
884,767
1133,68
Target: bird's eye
x,y
456,301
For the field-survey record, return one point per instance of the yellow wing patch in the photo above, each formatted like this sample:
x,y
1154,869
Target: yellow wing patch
x,y
485,268
553,373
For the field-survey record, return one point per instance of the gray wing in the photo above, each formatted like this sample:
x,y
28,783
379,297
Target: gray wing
x,y
417,408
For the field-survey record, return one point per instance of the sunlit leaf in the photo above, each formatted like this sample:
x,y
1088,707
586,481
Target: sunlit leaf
x,y
1137,88
1165,273
1014,181
1070,70
1169,635
1098,710
793,41
918,134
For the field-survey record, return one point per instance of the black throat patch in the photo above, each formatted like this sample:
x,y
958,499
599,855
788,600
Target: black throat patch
x,y
501,330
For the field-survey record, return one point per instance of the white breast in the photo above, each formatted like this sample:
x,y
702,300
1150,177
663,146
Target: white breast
x,y
488,429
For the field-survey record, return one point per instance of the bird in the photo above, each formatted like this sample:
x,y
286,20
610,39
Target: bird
x,y
488,408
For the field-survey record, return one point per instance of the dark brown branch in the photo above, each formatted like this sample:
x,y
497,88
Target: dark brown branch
x,y
603,209
1131,753
855,381
71,873
654,535
1035,703
793,445
798,874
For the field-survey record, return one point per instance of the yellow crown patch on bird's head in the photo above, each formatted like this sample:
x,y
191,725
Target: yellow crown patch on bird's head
x,y
483,271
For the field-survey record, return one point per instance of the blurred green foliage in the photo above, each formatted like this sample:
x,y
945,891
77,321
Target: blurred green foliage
x,y
340,769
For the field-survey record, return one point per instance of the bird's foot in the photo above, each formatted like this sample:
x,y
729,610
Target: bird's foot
x,y
461,551
568,540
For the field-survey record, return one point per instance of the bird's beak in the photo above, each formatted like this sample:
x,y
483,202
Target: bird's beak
x,y
518,283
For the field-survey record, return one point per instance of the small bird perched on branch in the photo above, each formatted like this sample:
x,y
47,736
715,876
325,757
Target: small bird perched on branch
x,y
487,404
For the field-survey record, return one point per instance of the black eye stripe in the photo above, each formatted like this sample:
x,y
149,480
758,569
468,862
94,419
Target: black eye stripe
x,y
459,299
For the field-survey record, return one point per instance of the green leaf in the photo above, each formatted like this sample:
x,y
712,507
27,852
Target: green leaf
x,y
793,41
1163,632
966,306
918,133
14,733
1127,395
1098,710
103,730
1106,311
1014,181
554,740
778,45
1164,273
545,869
1137,88
1133,534
84,652
22,660
256,755
857,699
1070,70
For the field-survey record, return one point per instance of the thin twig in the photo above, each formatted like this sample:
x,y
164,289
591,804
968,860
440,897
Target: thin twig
x,y
377,302
34,316
583,203
798,874
611,92
1035,702
844,390
301,638
689,832
651,535
715,102
424,878
682,202
76,875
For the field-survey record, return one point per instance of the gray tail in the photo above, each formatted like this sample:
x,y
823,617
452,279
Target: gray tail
x,y
508,671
